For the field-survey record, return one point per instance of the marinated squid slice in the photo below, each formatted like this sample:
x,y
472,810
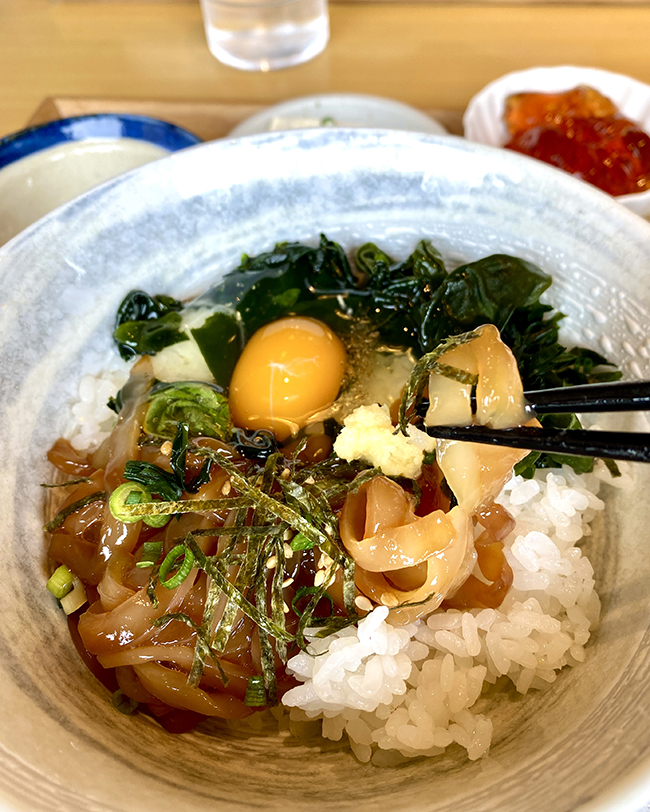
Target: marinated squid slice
x,y
500,399
402,558
412,563
171,687
450,402
123,442
476,473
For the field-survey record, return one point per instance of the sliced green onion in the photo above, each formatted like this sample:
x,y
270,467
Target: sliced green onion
x,y
74,600
255,696
128,494
170,560
123,703
151,551
60,582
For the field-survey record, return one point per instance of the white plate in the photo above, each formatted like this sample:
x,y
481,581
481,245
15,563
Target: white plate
x,y
483,119
341,110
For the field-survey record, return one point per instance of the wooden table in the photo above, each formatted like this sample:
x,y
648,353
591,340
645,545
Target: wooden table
x,y
427,54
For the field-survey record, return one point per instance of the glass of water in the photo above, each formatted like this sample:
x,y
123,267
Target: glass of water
x,y
265,34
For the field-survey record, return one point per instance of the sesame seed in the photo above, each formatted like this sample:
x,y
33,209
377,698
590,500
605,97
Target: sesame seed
x,y
319,577
227,487
389,600
363,603
310,480
287,582
166,448
288,535
288,551
285,608
271,562
286,473
324,562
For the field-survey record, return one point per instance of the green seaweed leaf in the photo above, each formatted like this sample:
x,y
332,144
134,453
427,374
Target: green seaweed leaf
x,y
147,324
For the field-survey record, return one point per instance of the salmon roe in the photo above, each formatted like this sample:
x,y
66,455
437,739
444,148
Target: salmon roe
x,y
581,132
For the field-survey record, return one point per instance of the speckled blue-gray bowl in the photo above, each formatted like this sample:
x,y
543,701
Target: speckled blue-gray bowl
x,y
174,226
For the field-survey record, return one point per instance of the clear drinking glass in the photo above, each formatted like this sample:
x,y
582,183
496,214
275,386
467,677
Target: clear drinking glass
x,y
265,34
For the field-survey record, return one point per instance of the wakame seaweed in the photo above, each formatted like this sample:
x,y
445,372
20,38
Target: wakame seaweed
x,y
147,324
297,279
414,304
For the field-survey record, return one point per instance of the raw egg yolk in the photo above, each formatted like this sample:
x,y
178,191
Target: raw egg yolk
x,y
289,370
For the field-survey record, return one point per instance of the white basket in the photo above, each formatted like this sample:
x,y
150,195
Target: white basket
x,y
483,120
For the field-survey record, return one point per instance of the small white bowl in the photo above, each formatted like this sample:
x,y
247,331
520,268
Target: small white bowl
x,y
339,110
483,120
45,166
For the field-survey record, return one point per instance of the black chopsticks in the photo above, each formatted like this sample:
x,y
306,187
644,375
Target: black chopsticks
x,y
627,396
606,397
613,445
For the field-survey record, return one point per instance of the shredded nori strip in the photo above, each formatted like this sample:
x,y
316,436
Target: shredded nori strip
x,y
202,644
308,613
455,374
266,649
60,517
274,507
214,570
185,506
80,481
151,586
277,597
424,367
244,577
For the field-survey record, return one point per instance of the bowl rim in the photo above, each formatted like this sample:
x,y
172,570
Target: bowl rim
x,y
18,145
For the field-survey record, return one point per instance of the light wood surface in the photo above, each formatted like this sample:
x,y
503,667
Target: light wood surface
x,y
208,120
426,54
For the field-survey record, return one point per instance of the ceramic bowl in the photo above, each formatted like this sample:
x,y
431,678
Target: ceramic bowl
x,y
339,110
175,226
483,119
45,166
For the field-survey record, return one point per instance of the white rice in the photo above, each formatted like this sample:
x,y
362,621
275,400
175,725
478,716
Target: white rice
x,y
92,420
404,692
